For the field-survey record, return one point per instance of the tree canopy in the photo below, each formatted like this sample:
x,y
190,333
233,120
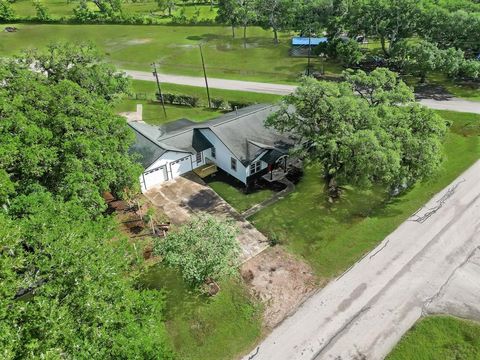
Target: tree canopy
x,y
67,284
59,131
65,287
366,130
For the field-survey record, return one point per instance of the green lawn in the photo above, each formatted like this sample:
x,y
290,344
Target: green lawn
x,y
153,112
203,327
332,237
175,49
58,9
461,89
149,89
232,192
439,338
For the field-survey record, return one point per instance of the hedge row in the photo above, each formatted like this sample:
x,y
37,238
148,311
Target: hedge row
x,y
193,101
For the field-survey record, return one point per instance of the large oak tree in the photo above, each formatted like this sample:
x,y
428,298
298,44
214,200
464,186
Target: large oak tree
x,y
366,130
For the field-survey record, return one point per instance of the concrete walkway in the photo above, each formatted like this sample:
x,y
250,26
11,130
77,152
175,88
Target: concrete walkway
x,y
452,104
364,313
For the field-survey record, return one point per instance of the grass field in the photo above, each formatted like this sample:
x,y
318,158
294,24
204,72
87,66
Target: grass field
x,y
203,327
332,237
175,49
153,111
58,9
440,338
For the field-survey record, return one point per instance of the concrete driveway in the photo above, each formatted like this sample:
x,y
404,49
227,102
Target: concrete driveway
x,y
428,264
188,195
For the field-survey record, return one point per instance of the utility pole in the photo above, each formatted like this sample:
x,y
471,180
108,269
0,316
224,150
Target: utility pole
x,y
205,76
309,51
155,73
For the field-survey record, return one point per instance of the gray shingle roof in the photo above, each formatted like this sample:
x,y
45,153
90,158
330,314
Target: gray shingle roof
x,y
242,131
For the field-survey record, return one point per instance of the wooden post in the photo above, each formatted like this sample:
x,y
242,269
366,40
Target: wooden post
x,y
309,51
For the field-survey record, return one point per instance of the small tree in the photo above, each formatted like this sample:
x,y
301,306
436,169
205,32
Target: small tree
x,y
204,248
42,12
349,53
166,5
228,13
246,16
6,11
424,57
274,14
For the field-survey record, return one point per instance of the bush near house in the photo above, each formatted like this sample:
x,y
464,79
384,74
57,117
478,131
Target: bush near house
x,y
205,248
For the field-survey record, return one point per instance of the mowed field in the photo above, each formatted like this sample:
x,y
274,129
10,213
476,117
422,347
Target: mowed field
x,y
174,48
58,9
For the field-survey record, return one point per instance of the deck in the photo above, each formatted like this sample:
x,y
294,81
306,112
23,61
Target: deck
x,y
205,170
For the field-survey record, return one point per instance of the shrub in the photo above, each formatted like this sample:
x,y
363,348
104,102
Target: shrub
x,y
232,105
217,103
204,248
177,99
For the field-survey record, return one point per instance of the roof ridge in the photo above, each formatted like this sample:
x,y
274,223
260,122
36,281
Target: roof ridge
x,y
207,124
243,115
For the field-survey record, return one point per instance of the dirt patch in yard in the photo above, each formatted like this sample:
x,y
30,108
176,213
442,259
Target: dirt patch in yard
x,y
138,41
281,281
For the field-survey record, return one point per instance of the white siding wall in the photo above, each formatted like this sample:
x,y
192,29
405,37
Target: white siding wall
x,y
223,158
173,170
165,160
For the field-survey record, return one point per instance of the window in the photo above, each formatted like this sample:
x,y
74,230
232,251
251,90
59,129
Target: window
x,y
254,167
233,164
199,157
214,153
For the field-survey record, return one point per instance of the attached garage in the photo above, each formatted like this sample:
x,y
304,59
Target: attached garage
x,y
154,177
180,166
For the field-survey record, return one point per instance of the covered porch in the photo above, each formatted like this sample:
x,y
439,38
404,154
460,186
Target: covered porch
x,y
279,165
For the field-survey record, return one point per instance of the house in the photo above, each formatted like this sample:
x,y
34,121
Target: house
x,y
301,46
237,142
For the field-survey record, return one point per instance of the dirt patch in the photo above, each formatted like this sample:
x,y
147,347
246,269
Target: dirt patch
x,y
138,41
280,281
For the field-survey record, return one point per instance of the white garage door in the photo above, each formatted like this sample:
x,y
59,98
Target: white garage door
x,y
155,176
180,166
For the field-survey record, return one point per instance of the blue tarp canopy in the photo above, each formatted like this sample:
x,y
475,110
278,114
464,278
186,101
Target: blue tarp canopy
x,y
305,41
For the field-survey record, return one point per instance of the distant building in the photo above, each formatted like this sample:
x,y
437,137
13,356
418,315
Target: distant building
x,y
239,143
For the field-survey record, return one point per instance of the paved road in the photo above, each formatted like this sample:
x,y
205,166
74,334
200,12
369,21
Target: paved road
x,y
279,89
460,295
364,313
258,87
